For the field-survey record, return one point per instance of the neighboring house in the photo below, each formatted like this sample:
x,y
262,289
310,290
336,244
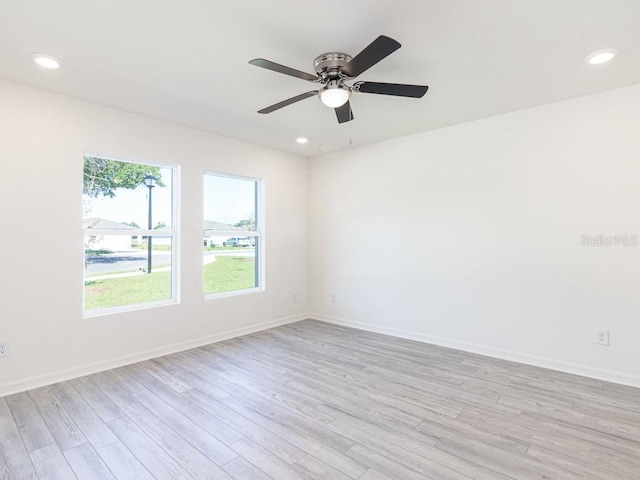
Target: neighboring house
x,y
216,233
108,242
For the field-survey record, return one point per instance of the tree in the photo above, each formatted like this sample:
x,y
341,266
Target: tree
x,y
102,177
248,223
159,225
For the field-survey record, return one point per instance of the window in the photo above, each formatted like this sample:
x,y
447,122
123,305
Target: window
x,y
233,236
129,235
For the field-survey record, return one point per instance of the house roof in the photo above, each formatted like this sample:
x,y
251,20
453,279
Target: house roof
x,y
190,65
212,227
103,223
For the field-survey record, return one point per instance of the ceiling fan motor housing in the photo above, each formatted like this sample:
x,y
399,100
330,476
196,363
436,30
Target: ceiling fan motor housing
x,y
328,65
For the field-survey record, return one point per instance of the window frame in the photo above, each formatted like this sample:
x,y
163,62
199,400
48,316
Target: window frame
x,y
173,233
258,235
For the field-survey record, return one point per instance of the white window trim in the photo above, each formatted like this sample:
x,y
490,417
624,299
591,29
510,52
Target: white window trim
x,y
173,233
259,233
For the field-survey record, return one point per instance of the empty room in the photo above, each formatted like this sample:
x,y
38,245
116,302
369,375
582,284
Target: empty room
x,y
287,240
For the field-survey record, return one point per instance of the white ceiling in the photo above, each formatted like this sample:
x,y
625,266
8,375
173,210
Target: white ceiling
x,y
186,61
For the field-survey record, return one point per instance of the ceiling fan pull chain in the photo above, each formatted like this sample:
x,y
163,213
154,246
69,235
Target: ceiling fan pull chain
x,y
350,130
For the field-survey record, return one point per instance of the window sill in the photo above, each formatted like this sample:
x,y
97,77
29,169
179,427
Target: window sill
x,y
232,293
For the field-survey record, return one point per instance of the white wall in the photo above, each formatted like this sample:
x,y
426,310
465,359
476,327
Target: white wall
x,y
42,140
469,236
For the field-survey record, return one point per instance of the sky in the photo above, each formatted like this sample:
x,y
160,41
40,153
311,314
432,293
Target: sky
x,y
226,200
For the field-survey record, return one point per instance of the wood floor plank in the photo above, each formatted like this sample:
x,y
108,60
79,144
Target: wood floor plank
x,y
173,402
123,463
309,444
240,469
293,420
597,471
91,425
405,436
259,435
33,430
372,474
387,465
446,428
152,456
170,377
203,440
101,404
51,464
125,381
63,428
190,369
316,401
286,400
14,458
111,389
422,458
188,457
315,469
268,463
513,465
87,464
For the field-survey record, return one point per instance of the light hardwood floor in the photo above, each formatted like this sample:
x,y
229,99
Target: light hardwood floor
x,y
316,401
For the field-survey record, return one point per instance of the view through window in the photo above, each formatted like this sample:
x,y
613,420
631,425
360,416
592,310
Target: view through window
x,y
232,234
129,234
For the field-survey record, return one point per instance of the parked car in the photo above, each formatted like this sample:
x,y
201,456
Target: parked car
x,y
237,242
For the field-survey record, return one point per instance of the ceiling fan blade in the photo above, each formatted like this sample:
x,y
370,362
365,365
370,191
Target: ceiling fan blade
x,y
288,101
276,67
380,48
397,89
344,113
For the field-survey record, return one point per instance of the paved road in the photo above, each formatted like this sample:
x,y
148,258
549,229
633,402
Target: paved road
x,y
119,261
136,259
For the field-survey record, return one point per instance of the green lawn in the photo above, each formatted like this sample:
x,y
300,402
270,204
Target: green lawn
x,y
227,273
160,248
113,292
225,249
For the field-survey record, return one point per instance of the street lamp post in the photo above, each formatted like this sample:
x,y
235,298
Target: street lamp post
x,y
150,182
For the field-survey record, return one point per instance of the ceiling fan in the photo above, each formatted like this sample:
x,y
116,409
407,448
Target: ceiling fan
x,y
334,69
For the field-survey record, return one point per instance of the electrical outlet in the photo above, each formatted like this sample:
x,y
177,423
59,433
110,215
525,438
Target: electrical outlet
x,y
334,298
4,349
294,298
602,337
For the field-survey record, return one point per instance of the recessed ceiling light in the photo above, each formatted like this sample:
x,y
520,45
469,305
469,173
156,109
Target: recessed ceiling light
x,y
601,56
302,140
46,61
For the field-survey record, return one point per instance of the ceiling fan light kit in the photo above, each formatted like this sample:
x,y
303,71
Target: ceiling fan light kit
x,y
334,94
334,69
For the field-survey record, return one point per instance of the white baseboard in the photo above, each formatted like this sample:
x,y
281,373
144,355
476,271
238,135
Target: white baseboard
x,y
553,364
68,374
